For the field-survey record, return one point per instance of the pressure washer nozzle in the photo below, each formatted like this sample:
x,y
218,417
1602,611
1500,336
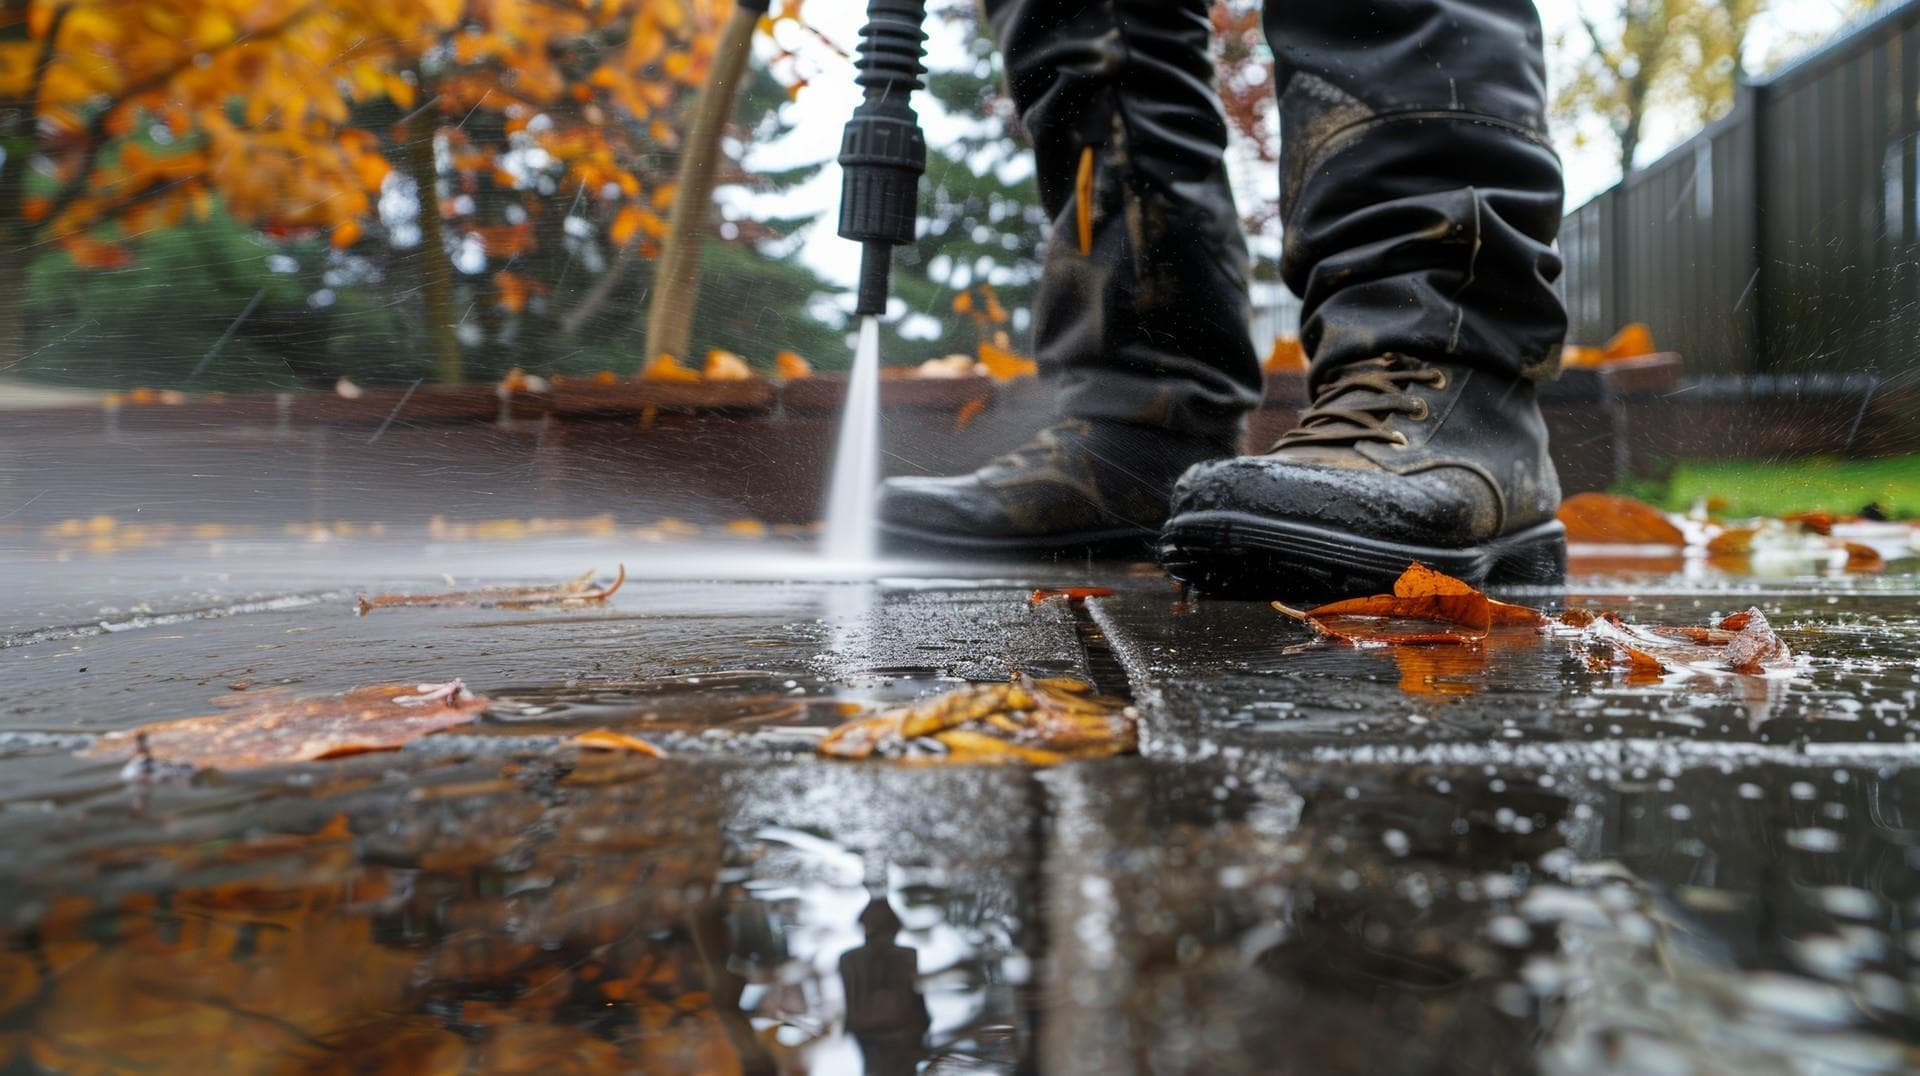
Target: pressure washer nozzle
x,y
883,153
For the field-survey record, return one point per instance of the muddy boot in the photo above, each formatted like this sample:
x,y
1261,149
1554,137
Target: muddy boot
x,y
1080,487
1140,323
1421,201
1397,461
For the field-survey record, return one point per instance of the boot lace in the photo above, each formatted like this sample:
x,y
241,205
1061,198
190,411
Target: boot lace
x,y
1044,449
1355,406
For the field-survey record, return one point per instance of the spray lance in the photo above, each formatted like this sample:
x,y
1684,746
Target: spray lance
x,y
883,154
882,157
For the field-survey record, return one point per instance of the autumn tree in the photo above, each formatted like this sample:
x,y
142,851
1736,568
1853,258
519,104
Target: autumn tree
x,y
1631,48
119,120
536,117
1713,37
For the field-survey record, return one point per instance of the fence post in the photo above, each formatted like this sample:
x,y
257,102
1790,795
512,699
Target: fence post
x,y
1749,99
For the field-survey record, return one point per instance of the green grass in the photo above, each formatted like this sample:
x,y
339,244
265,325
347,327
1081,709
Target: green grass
x,y
1754,488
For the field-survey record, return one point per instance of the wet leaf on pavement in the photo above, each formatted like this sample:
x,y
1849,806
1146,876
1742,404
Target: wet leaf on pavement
x,y
609,740
1075,595
1037,722
1426,607
570,594
1863,558
1741,643
277,729
1608,519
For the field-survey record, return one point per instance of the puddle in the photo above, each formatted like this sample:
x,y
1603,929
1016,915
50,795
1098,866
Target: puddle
x,y
508,918
1328,858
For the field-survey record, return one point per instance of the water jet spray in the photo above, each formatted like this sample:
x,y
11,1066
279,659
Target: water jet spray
x,y
882,157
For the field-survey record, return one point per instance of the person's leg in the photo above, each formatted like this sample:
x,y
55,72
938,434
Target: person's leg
x,y
1421,202
1141,317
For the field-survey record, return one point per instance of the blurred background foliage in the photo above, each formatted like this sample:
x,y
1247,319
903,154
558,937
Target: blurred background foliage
x,y
228,194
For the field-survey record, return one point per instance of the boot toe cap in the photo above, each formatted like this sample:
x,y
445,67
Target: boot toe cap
x,y
1446,506
938,506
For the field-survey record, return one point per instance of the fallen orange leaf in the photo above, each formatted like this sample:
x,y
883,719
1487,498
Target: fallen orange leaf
x,y
1426,607
667,368
1288,355
1732,543
1820,523
276,730
609,740
791,367
726,366
577,591
1864,558
1572,356
1075,595
1607,519
1004,365
969,411
1633,342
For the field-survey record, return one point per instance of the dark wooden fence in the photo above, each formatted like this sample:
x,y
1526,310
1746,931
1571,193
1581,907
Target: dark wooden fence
x,y
1783,240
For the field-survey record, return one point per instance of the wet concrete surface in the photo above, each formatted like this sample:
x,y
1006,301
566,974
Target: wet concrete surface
x,y
1323,860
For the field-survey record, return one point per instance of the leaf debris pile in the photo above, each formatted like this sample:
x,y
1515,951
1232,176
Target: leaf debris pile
x,y
1035,722
574,593
1609,526
1429,609
1741,643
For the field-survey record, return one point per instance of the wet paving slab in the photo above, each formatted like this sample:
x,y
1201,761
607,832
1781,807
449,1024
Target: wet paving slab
x,y
1259,918
1324,859
1230,672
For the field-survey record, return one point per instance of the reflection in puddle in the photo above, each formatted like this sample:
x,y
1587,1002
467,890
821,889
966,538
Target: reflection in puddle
x,y
857,966
513,918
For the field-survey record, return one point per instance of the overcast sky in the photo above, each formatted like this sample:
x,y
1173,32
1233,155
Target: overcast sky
x,y
822,107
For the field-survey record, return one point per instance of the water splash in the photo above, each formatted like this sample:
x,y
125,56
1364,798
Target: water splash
x,y
852,528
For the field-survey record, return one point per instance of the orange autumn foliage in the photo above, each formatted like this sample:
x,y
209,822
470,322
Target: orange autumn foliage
x,y
724,365
260,101
1633,342
667,368
1004,365
791,367
1288,355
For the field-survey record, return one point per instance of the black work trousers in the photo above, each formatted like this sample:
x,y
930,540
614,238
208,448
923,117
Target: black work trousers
x,y
1419,195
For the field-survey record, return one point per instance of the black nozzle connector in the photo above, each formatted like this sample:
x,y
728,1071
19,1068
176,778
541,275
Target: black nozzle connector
x,y
883,154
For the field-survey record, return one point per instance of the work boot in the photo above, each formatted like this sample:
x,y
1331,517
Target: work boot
x,y
1396,461
1080,487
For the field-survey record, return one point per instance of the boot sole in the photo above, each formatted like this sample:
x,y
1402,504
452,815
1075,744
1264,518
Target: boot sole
x,y
1124,542
1233,553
